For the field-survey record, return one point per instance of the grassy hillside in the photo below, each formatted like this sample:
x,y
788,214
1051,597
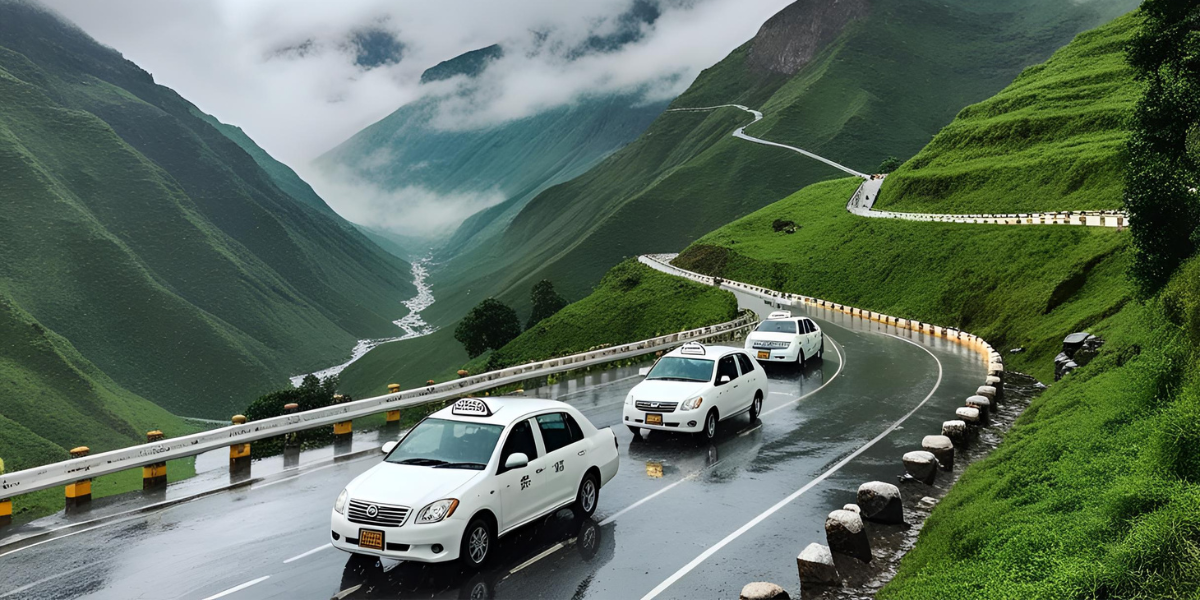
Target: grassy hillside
x,y
883,85
154,258
1049,141
632,302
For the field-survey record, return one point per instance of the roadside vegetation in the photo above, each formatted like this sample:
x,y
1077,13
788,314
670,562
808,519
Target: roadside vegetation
x,y
1095,493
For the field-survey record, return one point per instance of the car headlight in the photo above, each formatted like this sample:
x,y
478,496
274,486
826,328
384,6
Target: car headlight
x,y
629,399
693,404
339,505
437,511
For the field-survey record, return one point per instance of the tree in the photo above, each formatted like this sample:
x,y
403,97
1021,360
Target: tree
x,y
545,302
889,164
490,325
1161,174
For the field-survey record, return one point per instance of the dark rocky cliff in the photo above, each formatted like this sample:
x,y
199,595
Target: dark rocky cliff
x,y
793,37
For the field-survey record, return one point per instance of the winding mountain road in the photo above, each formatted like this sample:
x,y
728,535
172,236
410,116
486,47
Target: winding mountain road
x,y
863,201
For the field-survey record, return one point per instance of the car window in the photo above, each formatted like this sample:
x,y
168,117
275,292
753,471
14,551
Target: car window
x,y
520,439
435,442
555,431
726,367
744,360
777,327
576,430
809,327
678,368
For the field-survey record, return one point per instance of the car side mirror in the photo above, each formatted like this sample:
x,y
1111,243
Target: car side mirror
x,y
516,460
388,447
723,380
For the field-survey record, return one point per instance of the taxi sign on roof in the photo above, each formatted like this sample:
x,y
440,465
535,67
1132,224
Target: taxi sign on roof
x,y
780,314
471,407
693,348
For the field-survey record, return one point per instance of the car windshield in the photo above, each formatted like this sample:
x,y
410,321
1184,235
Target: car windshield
x,y
447,444
777,327
678,368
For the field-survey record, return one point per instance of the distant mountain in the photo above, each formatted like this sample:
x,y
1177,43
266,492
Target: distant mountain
x,y
853,80
149,262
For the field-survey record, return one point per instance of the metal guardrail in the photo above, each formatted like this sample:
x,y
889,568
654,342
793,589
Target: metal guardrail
x,y
1089,218
69,471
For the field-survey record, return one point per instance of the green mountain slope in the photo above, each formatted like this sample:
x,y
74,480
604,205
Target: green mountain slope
x,y
156,246
880,79
1013,150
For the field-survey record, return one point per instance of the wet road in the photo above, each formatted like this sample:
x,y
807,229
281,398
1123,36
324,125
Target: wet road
x,y
683,519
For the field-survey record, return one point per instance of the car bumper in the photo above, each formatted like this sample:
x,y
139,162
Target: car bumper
x,y
689,421
775,354
407,542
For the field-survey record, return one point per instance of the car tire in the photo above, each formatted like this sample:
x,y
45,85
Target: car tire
x,y
800,361
477,543
636,431
711,423
588,495
756,406
821,352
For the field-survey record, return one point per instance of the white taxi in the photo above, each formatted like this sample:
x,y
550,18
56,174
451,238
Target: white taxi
x,y
471,473
695,387
784,338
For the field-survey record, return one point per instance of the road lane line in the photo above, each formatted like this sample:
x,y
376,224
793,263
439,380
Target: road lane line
x,y
841,365
307,554
677,575
238,588
544,554
30,586
346,592
300,474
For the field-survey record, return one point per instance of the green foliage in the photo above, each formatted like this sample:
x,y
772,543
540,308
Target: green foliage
x,y
544,302
409,363
1051,140
889,164
312,393
490,325
1162,175
633,302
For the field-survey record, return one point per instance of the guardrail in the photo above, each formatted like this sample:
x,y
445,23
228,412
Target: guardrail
x,y
662,262
153,453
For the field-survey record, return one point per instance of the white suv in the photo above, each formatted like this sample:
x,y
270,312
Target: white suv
x,y
784,338
471,473
693,388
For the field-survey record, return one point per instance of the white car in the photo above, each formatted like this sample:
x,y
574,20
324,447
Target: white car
x,y
784,338
693,388
471,473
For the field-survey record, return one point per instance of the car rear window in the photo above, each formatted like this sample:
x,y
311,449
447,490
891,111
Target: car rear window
x,y
777,327
678,368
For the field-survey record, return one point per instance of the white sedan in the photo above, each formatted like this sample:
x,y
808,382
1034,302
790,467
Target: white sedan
x,y
695,387
784,338
471,473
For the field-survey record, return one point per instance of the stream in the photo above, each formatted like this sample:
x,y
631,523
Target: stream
x,y
412,324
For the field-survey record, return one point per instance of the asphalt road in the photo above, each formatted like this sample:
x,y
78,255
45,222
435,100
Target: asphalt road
x,y
683,519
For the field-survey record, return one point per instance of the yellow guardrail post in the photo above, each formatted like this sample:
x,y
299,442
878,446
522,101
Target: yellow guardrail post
x,y
239,454
79,494
343,431
393,416
291,445
154,477
5,504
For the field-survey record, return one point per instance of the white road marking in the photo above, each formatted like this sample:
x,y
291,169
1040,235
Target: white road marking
x,y
668,582
238,588
544,554
307,554
347,592
29,586
841,365
301,474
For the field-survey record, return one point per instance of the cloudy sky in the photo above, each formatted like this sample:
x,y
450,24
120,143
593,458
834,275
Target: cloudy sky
x,y
300,76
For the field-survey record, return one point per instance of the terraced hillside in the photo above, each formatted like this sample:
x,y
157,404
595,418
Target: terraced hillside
x,y
1049,141
147,262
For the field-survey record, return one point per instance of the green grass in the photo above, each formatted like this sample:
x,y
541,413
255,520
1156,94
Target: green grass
x,y
409,363
1052,140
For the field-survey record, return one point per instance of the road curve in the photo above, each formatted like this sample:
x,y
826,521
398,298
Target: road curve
x,y
862,202
756,496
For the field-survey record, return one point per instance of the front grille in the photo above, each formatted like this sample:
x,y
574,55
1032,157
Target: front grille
x,y
658,407
386,516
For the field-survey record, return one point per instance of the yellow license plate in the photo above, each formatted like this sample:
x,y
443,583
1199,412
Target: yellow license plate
x,y
764,355
370,538
654,419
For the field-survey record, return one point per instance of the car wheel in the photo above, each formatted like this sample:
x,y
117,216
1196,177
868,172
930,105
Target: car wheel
x,y
800,362
756,406
821,352
588,495
710,425
636,431
477,543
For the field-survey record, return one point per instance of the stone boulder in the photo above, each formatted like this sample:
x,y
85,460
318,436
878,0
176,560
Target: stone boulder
x,y
816,566
881,502
846,534
761,590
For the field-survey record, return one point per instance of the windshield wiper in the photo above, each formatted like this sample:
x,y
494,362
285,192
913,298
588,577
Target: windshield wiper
x,y
673,379
462,465
424,462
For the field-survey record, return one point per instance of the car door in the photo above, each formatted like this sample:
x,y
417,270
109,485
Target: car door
x,y
728,396
749,379
565,455
807,329
522,490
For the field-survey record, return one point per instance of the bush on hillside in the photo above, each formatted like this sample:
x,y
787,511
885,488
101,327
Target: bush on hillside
x,y
312,393
490,325
889,164
545,302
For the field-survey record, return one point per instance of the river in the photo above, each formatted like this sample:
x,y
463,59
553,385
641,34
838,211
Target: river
x,y
412,324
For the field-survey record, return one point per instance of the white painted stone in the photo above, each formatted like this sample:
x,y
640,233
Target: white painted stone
x,y
881,502
968,414
942,447
852,508
927,503
987,391
956,430
921,465
762,590
846,534
983,404
816,567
